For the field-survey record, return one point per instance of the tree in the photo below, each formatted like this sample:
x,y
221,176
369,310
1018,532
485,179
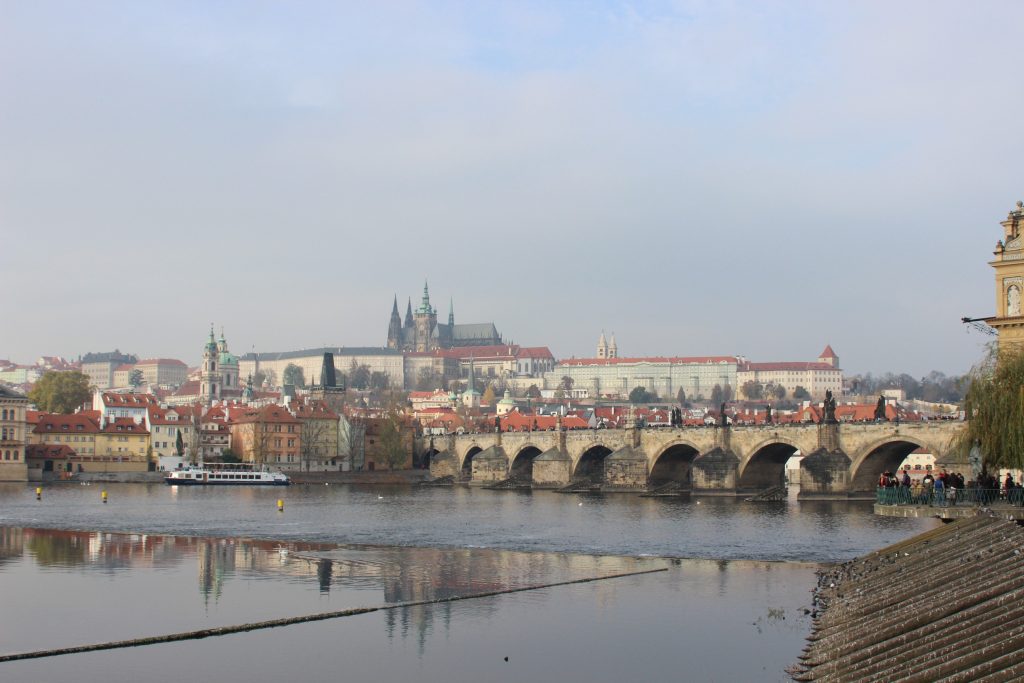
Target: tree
x,y
429,379
681,398
717,395
994,405
135,379
752,391
566,384
358,375
532,391
801,394
641,395
772,390
379,381
258,378
293,375
391,439
727,394
60,392
315,441
179,444
228,455
488,397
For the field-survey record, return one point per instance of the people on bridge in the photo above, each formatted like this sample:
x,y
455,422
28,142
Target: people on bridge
x,y
906,479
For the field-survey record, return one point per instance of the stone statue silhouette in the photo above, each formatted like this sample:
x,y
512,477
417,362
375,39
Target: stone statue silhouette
x,y
880,409
721,416
768,414
830,408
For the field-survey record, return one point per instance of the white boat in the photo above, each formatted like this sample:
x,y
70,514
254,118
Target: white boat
x,y
225,475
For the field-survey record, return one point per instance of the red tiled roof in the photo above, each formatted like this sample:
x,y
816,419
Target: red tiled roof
x,y
112,400
123,367
48,451
828,352
794,366
122,425
535,352
314,411
50,423
162,361
190,388
675,360
269,413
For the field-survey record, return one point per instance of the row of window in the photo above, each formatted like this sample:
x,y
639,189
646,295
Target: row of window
x,y
11,455
8,434
8,414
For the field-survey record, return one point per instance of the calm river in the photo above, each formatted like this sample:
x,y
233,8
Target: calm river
x,y
157,560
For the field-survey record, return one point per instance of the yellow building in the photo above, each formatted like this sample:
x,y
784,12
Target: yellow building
x,y
319,450
1009,267
13,435
123,445
78,432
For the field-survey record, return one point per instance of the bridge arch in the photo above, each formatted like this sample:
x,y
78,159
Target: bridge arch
x,y
467,460
885,454
673,463
591,463
522,463
765,466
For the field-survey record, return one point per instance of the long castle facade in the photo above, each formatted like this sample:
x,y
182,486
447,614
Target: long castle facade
x,y
422,333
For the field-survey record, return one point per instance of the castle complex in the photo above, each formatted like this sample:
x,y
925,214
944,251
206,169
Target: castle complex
x,y
421,331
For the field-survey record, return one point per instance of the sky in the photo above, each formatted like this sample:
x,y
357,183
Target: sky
x,y
698,178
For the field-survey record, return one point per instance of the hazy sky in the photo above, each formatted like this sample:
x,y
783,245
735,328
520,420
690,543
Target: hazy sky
x,y
698,177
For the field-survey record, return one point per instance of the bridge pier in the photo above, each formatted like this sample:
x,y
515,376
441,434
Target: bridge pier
x,y
625,469
715,472
489,466
552,469
825,474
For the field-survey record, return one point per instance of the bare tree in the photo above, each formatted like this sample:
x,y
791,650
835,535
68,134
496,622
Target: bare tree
x,y
315,441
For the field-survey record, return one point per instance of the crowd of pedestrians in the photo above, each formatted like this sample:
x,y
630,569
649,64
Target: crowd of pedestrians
x,y
946,488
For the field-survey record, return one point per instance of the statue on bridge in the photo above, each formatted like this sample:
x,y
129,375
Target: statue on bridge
x,y
722,420
880,410
830,409
768,414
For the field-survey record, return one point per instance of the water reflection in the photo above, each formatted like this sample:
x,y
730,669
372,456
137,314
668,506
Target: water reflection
x,y
133,585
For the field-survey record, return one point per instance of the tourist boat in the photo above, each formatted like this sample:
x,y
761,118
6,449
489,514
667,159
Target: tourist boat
x,y
225,475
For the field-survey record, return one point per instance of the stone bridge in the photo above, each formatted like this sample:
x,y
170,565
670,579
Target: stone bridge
x,y
840,460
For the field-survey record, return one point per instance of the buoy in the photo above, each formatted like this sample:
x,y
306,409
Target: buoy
x,y
280,505
103,495
39,493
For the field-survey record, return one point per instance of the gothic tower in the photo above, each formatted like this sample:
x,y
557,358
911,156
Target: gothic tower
x,y
602,346
613,348
395,327
1009,267
209,382
425,321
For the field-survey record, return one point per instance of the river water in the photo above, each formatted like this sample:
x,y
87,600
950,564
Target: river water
x,y
156,560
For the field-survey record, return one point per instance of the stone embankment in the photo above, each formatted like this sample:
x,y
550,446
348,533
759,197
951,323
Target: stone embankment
x,y
946,605
376,477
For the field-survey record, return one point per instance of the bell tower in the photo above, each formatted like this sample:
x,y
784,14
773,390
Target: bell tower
x,y
209,383
1009,266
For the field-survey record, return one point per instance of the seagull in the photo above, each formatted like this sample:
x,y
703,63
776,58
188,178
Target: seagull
x,y
579,504
380,497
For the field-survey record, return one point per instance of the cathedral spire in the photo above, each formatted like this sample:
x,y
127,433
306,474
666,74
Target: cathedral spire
x,y
408,314
425,304
451,312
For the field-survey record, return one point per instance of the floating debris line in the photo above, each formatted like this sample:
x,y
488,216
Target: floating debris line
x,y
288,621
946,605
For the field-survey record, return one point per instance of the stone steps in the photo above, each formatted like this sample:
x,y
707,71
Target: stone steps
x,y
946,605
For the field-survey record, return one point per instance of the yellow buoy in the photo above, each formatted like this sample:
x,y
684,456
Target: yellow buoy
x,y
39,493
280,505
103,495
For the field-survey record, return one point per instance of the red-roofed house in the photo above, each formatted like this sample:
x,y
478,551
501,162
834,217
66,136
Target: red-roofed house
x,y
269,435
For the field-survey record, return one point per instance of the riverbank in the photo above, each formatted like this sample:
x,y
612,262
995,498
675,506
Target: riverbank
x,y
944,605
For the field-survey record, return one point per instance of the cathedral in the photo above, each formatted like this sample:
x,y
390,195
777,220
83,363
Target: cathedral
x,y
422,332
